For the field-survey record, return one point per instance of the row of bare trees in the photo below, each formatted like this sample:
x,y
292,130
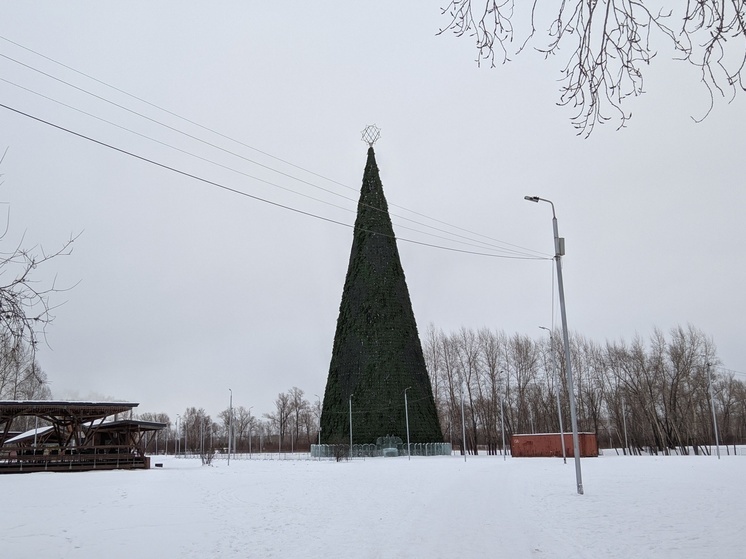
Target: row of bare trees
x,y
291,426
649,394
294,420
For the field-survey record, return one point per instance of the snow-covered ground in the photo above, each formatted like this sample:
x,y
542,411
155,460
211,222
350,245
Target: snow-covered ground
x,y
646,507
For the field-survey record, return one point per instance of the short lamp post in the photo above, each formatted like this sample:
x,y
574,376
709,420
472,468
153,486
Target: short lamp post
x,y
714,416
502,427
463,425
230,425
559,251
350,426
318,451
250,433
406,415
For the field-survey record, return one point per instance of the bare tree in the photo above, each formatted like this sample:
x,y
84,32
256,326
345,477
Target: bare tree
x,y
198,428
241,421
278,420
21,377
606,44
25,307
299,406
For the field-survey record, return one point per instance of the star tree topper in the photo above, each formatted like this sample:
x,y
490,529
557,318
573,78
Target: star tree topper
x,y
371,134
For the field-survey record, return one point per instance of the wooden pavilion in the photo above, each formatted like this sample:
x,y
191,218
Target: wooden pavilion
x,y
73,436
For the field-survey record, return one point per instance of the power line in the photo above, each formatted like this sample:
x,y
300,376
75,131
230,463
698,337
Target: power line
x,y
241,193
242,173
523,251
730,371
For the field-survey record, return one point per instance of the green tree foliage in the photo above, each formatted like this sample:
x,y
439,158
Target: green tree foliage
x,y
377,352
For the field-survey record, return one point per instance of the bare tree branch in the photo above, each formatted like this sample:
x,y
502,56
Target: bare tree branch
x,y
608,43
25,307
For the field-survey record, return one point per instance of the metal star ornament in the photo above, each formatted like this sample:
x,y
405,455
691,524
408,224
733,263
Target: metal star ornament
x,y
371,134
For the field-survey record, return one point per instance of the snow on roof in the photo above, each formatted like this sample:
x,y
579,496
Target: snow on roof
x,y
29,434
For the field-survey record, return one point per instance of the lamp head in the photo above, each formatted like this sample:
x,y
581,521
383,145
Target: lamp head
x,y
531,198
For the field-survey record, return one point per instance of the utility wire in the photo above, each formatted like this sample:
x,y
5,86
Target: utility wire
x,y
524,251
242,173
730,371
253,197
185,119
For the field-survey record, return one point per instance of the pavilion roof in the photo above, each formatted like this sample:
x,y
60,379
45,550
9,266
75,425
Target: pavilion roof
x,y
62,411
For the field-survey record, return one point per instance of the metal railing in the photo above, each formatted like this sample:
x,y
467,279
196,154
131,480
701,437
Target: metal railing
x,y
24,459
375,450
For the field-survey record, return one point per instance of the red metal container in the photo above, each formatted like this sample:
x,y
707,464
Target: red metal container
x,y
548,444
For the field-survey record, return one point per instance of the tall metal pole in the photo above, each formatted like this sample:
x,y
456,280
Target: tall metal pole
x,y
463,425
350,426
250,408
230,425
176,441
559,250
319,408
406,415
559,406
714,417
624,422
502,426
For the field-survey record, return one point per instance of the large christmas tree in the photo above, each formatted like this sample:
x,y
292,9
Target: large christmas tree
x,y
377,352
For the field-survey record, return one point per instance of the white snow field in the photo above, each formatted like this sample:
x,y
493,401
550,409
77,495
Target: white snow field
x,y
646,507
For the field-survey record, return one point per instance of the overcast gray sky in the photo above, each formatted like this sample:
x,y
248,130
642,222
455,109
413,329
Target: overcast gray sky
x,y
186,290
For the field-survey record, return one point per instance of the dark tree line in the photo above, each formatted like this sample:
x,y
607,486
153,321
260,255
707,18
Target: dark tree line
x,y
657,390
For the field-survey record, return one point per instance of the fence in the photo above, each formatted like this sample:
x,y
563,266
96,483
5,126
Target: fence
x,y
23,459
373,450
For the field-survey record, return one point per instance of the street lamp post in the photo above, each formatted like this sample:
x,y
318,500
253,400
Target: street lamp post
x,y
406,415
318,451
230,425
559,407
250,434
463,425
350,426
559,251
624,422
502,427
714,417
176,441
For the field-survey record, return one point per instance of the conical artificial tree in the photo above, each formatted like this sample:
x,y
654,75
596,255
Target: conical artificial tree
x,y
377,353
